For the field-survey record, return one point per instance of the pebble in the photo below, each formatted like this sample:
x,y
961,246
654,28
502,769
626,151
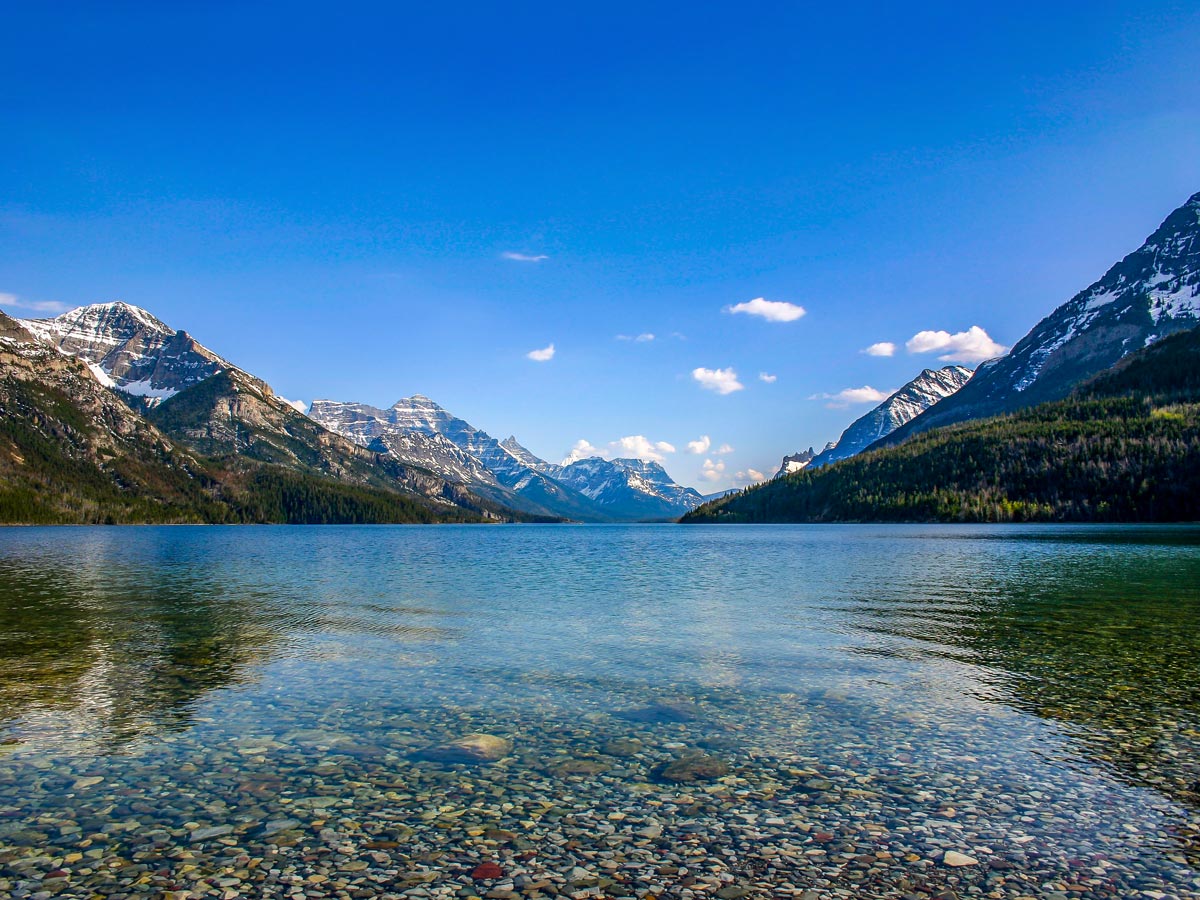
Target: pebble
x,y
955,859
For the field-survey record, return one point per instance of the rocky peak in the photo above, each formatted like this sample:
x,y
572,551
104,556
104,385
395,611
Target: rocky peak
x,y
797,461
129,349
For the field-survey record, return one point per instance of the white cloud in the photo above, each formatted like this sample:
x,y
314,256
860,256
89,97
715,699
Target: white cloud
x,y
523,257
842,399
723,381
640,447
637,446
713,471
704,443
42,306
750,476
769,379
543,355
883,348
970,346
771,310
636,338
299,405
581,450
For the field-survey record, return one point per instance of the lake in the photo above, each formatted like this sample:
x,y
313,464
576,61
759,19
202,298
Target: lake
x,y
735,711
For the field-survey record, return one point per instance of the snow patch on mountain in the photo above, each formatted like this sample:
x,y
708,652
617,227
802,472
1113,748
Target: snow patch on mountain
x,y
129,349
419,431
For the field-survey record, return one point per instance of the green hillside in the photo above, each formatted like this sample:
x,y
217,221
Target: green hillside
x,y
71,452
1124,448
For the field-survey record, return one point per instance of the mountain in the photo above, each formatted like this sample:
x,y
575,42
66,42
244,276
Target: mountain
x,y
930,387
796,462
1149,294
417,430
72,451
129,349
631,489
232,414
1125,447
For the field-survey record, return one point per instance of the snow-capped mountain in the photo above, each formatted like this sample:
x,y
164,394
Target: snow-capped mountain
x,y
629,488
797,461
930,387
477,458
418,431
1152,292
129,349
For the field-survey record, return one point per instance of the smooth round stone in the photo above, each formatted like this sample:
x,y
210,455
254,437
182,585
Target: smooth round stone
x,y
697,767
470,748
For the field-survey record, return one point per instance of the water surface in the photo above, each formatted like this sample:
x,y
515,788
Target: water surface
x,y
248,711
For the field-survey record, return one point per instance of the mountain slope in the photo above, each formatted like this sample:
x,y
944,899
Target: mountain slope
x,y
232,414
72,451
1151,293
129,349
930,387
1125,447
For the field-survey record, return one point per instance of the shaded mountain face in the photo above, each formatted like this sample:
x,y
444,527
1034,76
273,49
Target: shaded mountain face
x,y
129,349
927,389
419,431
1152,292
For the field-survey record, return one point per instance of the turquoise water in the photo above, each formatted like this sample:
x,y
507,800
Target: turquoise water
x,y
250,711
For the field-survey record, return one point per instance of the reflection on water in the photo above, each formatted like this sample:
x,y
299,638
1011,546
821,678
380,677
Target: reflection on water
x,y
731,711
1097,630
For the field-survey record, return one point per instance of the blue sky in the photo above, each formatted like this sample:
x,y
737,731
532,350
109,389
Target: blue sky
x,y
331,197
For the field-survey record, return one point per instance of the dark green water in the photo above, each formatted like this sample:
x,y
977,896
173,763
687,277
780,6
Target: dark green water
x,y
248,711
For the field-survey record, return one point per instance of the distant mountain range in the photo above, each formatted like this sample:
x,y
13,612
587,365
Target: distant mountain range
x,y
1114,324
110,414
74,450
197,399
416,430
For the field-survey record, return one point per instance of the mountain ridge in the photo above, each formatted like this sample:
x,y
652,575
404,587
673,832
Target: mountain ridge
x,y
1124,447
923,392
1150,293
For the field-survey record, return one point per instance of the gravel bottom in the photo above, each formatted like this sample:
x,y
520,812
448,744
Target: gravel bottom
x,y
661,794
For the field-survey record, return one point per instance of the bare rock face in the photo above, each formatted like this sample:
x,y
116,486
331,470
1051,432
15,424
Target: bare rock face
x,y
470,748
796,462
